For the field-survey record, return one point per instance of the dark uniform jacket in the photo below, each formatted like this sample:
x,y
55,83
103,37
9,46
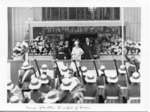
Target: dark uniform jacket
x,y
90,90
101,80
87,51
45,88
122,81
24,81
112,90
134,90
36,96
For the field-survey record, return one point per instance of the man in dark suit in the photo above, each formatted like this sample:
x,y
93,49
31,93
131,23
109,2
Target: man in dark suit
x,y
87,47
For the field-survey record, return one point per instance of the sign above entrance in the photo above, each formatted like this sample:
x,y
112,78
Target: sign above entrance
x,y
62,30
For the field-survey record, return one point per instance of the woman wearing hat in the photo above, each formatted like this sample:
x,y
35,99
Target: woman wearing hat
x,y
122,81
36,95
112,90
134,88
77,52
90,88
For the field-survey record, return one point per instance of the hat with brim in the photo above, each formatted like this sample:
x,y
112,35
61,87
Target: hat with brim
x,y
112,78
67,75
101,72
14,99
84,70
26,66
122,69
135,78
102,67
52,97
44,79
35,84
10,86
68,84
64,68
90,78
44,66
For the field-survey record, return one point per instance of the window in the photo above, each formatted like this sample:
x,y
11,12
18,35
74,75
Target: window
x,y
80,13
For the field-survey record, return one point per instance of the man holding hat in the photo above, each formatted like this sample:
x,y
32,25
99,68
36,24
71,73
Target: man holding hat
x,y
134,88
112,90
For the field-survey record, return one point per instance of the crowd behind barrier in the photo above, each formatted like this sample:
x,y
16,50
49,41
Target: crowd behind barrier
x,y
106,45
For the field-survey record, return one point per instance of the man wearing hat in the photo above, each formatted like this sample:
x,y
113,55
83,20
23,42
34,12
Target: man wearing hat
x,y
134,88
49,74
25,74
122,81
53,96
13,90
36,95
101,81
14,99
90,87
70,89
112,90
133,61
45,87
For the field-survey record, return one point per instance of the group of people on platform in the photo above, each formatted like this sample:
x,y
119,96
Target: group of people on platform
x,y
75,84
62,49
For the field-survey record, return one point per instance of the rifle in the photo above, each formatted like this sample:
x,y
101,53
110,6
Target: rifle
x,y
78,73
91,56
59,73
116,67
37,66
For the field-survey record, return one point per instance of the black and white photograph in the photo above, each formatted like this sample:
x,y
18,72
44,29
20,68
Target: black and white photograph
x,y
74,55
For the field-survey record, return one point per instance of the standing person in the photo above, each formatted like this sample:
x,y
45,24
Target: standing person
x,y
24,77
90,88
67,50
45,87
71,91
122,81
60,50
134,88
112,90
49,74
77,52
35,95
87,47
101,82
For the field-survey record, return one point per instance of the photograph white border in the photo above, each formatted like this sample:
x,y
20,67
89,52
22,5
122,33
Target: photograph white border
x,y
5,67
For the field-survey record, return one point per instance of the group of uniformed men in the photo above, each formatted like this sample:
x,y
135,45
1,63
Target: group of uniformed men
x,y
72,87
